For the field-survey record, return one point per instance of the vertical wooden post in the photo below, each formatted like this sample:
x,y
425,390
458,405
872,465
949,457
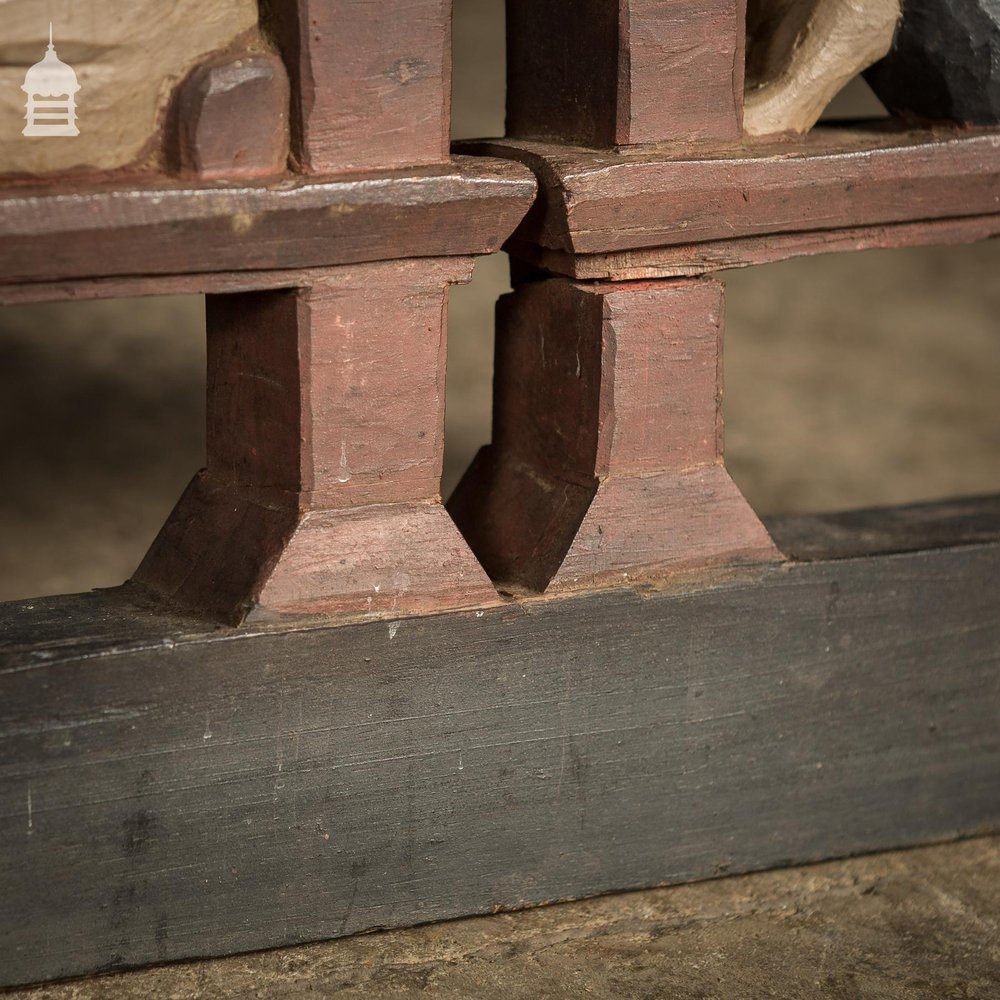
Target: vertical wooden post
x,y
325,444
371,81
628,72
606,463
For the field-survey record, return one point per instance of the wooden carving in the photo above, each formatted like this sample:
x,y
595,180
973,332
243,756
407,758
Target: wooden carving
x,y
944,63
126,54
231,118
801,53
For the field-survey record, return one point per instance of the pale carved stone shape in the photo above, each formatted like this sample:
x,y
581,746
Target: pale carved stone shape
x,y
127,54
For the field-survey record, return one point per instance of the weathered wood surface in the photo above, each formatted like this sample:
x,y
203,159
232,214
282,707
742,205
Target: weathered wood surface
x,y
467,206
325,450
606,460
626,72
802,53
230,119
371,81
127,56
904,925
833,178
170,792
689,259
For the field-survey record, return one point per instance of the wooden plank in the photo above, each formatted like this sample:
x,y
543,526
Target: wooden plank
x,y
833,178
793,934
467,206
168,793
692,259
885,530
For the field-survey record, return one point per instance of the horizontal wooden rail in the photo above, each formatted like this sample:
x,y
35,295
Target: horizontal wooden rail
x,y
757,202
172,790
468,206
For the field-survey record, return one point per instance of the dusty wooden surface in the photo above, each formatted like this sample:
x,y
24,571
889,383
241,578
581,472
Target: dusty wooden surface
x,y
628,72
922,924
833,178
174,227
171,791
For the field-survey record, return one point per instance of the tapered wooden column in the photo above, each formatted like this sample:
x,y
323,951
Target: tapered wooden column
x,y
606,462
325,442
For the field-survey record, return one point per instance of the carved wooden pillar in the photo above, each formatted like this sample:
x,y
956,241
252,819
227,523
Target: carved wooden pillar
x,y
325,442
606,462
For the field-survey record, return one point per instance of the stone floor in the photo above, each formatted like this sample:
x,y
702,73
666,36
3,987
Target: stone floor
x,y
922,924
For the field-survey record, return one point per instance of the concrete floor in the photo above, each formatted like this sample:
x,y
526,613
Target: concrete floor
x,y
852,380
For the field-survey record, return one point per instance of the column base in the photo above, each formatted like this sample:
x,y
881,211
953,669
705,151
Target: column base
x,y
532,530
243,558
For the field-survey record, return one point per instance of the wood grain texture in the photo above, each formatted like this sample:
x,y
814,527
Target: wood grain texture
x,y
325,448
690,259
171,792
231,119
928,914
834,178
372,81
629,72
606,461
175,227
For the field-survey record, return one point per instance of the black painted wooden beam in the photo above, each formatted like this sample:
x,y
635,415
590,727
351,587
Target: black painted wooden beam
x,y
168,791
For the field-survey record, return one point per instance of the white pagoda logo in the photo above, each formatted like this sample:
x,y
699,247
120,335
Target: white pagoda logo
x,y
51,78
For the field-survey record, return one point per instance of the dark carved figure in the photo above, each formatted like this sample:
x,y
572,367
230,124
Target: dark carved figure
x,y
944,62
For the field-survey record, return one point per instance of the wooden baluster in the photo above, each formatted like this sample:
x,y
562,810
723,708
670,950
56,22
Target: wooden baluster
x,y
626,72
606,463
325,424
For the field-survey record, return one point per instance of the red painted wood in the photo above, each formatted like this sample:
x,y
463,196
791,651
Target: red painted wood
x,y
325,430
606,462
371,79
627,72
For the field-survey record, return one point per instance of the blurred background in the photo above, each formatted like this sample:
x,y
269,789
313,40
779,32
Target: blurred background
x,y
851,380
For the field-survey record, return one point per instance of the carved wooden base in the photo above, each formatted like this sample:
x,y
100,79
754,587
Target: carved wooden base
x,y
238,558
544,534
607,455
325,442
